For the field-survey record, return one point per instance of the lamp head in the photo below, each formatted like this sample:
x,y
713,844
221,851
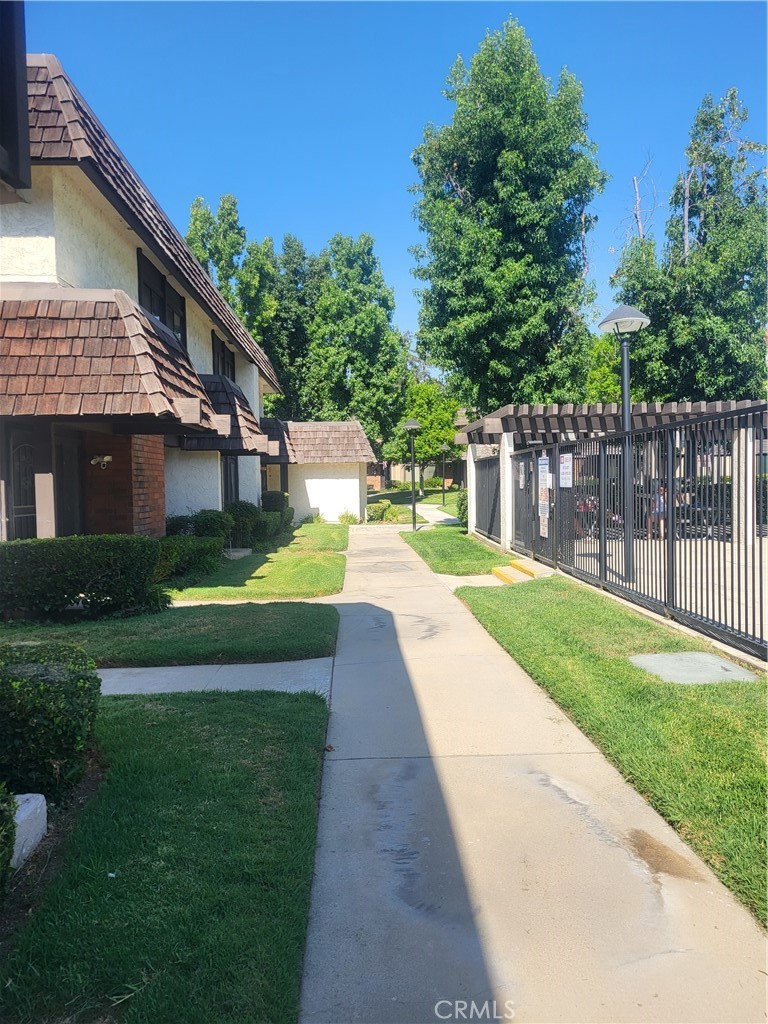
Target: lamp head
x,y
412,426
624,320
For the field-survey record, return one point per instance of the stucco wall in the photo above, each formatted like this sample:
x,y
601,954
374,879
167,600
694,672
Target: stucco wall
x,y
28,251
249,473
192,481
328,489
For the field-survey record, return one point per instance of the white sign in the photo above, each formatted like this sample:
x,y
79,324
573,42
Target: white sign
x,y
520,477
544,487
543,526
566,470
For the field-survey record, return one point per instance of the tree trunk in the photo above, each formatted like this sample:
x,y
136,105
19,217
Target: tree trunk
x,y
421,479
638,210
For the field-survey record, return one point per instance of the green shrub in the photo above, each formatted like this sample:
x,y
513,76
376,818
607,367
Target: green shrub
x,y
462,512
245,516
286,518
210,522
274,501
49,694
434,482
7,834
268,525
109,573
178,526
377,510
188,556
349,519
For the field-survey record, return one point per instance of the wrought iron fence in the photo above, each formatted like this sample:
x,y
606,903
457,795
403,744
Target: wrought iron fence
x,y
488,507
685,532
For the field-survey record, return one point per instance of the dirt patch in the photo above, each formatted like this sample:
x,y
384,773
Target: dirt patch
x,y
28,885
661,858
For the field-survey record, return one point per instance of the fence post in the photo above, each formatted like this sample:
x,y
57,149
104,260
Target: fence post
x,y
602,501
556,509
671,514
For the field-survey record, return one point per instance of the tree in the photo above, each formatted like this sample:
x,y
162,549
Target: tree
x,y
504,194
435,409
355,365
706,292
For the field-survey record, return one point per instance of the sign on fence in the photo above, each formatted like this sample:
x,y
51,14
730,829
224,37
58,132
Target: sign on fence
x,y
543,488
543,526
566,470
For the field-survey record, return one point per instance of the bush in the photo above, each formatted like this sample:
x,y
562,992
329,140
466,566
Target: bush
x,y
268,525
462,512
274,501
286,518
176,526
49,694
392,514
7,834
209,522
348,519
377,510
434,482
245,516
109,573
188,556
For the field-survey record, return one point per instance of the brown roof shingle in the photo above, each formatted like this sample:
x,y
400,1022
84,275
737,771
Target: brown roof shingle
x,y
51,363
321,441
63,129
245,435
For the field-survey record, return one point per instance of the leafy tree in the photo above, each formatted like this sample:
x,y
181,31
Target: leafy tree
x,y
355,365
504,191
706,293
435,409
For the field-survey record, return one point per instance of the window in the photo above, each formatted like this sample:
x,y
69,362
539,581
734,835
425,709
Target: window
x,y
161,300
230,479
223,358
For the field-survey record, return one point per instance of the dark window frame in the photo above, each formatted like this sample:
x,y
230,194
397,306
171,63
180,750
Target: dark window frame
x,y
223,358
230,479
160,299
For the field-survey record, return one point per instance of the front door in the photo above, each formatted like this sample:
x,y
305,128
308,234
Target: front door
x,y
68,477
23,517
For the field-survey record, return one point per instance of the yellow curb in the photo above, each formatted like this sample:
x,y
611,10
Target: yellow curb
x,y
523,568
501,572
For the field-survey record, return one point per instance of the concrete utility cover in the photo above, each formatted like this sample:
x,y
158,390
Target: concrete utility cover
x,y
692,667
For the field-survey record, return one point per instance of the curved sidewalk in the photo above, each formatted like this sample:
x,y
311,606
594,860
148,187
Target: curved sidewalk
x,y
474,845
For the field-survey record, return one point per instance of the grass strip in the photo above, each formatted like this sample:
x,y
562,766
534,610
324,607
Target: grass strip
x,y
206,635
185,889
696,753
448,550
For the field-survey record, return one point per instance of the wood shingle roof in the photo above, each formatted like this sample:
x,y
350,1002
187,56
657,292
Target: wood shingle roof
x,y
321,441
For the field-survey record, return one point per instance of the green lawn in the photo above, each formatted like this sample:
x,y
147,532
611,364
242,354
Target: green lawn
x,y
185,890
697,753
448,550
436,498
305,564
199,636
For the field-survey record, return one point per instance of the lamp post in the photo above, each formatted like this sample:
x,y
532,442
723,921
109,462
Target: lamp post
x,y
444,449
412,426
622,322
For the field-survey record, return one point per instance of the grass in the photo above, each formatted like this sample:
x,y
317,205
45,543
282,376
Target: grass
x,y
403,498
185,889
696,753
304,564
448,550
204,635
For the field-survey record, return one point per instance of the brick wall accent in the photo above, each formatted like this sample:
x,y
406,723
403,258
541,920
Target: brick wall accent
x,y
129,495
148,484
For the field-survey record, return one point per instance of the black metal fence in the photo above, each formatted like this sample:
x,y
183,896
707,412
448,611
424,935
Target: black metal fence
x,y
690,539
488,506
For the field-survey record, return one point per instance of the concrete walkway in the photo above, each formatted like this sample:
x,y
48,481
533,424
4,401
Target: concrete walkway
x,y
289,676
434,514
474,845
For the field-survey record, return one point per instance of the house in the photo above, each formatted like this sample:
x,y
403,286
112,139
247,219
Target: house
x,y
322,466
129,389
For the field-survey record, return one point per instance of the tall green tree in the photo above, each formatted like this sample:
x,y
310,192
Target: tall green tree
x,y
435,409
504,194
355,365
706,292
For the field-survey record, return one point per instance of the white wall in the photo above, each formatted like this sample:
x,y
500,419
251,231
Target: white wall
x,y
328,489
192,481
28,251
506,484
249,474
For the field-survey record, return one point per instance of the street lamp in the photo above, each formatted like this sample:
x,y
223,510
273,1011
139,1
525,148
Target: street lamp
x,y
622,322
412,426
444,448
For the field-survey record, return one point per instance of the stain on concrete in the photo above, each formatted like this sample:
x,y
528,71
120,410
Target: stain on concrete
x,y
661,859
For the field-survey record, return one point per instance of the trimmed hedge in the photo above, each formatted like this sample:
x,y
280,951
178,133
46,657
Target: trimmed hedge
x,y
209,522
178,526
49,693
286,518
7,834
109,573
274,501
462,512
268,525
182,555
245,516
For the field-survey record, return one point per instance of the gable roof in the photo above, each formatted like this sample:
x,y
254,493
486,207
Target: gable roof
x,y
245,436
320,441
94,352
63,129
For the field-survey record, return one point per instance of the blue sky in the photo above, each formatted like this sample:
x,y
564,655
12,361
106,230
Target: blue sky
x,y
308,113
